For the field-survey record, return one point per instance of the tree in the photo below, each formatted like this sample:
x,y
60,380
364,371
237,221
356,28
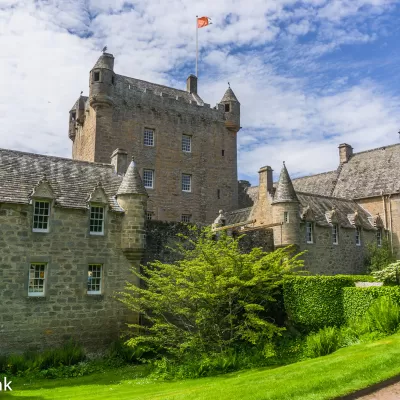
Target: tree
x,y
211,300
379,257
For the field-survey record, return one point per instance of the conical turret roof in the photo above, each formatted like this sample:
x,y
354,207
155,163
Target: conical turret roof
x,y
106,60
285,192
229,96
132,182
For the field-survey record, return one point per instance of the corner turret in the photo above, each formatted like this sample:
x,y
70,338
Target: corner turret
x,y
102,82
286,212
231,110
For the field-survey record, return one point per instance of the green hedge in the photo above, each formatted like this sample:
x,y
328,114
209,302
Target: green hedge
x,y
356,300
312,302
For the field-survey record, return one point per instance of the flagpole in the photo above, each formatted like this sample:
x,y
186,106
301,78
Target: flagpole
x,y
197,46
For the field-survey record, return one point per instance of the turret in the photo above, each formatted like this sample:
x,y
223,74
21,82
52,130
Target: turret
x,y
132,197
231,110
102,82
286,211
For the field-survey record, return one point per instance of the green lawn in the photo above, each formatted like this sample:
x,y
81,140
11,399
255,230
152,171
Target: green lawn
x,y
346,370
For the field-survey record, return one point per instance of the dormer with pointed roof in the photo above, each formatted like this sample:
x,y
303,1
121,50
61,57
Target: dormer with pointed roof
x,y
285,192
231,110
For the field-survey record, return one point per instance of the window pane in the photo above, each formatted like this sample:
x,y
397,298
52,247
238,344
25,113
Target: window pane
x,y
94,278
41,214
37,276
96,219
187,143
148,137
185,217
148,178
186,183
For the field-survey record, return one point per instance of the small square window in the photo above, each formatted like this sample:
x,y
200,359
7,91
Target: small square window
x,y
41,215
37,278
186,183
218,193
148,178
96,76
227,108
186,143
148,137
96,220
358,236
379,237
186,218
335,234
94,279
309,232
149,215
286,217
223,153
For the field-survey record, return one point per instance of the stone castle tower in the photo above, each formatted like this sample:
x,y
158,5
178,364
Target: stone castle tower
x,y
186,151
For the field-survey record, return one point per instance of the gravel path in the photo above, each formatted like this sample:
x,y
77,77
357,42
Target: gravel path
x,y
391,392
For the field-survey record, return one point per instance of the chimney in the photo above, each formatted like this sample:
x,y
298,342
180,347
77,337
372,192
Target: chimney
x,y
119,158
266,181
345,153
191,84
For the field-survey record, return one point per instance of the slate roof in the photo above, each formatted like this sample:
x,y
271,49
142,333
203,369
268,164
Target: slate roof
x,y
236,216
72,181
285,191
229,96
369,173
76,104
132,182
322,184
345,209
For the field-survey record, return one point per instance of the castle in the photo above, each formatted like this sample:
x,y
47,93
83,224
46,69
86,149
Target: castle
x,y
186,150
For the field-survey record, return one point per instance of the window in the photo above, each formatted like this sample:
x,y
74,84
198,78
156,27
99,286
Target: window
x,y
309,232
379,237
94,279
148,137
112,80
223,153
149,215
41,215
186,183
335,234
148,178
186,143
185,217
218,193
227,108
358,236
37,277
96,220
285,217
96,76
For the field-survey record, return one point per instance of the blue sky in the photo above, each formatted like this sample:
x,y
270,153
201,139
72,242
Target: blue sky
x,y
309,74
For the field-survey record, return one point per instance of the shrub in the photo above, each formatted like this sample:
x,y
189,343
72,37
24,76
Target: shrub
x,y
313,302
379,257
356,300
325,341
389,275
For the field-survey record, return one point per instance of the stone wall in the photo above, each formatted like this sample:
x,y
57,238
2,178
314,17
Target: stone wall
x,y
66,311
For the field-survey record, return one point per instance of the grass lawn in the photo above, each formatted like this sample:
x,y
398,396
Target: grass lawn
x,y
326,377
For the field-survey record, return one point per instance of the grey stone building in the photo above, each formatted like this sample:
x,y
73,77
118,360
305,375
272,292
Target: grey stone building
x,y
186,150
70,232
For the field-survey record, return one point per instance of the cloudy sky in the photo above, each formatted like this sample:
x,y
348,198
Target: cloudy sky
x,y
309,74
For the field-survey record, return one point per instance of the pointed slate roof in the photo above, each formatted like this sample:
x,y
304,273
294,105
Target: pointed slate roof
x,y
285,191
229,96
132,182
106,61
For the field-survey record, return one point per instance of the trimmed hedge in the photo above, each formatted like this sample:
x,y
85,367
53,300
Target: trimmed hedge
x,y
356,301
313,302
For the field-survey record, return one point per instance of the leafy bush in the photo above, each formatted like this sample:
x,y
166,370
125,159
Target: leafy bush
x,y
324,342
313,302
211,300
388,275
356,300
379,257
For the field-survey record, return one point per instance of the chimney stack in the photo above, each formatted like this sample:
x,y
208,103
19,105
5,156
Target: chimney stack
x,y
191,84
266,181
119,158
345,152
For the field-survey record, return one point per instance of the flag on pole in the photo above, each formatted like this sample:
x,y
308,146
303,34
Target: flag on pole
x,y
203,21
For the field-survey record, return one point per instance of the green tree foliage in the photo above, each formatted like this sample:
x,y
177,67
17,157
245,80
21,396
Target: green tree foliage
x,y
379,257
389,275
210,301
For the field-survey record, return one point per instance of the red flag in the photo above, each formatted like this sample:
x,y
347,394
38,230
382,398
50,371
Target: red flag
x,y
203,21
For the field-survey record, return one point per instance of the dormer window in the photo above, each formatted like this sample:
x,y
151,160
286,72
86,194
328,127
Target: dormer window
x,y
227,107
96,220
96,76
41,215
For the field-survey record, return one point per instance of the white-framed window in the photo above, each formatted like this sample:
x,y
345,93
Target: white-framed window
x,y
96,220
186,217
37,279
309,232
379,237
335,234
358,236
148,137
186,143
95,276
149,215
148,178
286,217
186,183
41,215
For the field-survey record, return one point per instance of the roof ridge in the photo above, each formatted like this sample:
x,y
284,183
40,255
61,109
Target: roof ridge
x,y
376,148
326,197
58,158
239,210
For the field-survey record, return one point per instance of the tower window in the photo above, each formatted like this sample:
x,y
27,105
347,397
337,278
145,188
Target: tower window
x,y
218,193
96,76
223,153
227,108
335,234
148,178
186,218
286,217
148,137
149,215
186,183
186,143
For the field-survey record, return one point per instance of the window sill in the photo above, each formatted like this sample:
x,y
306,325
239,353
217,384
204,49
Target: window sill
x,y
96,234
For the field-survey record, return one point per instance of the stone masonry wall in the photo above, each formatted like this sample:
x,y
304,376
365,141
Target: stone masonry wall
x,y
66,310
